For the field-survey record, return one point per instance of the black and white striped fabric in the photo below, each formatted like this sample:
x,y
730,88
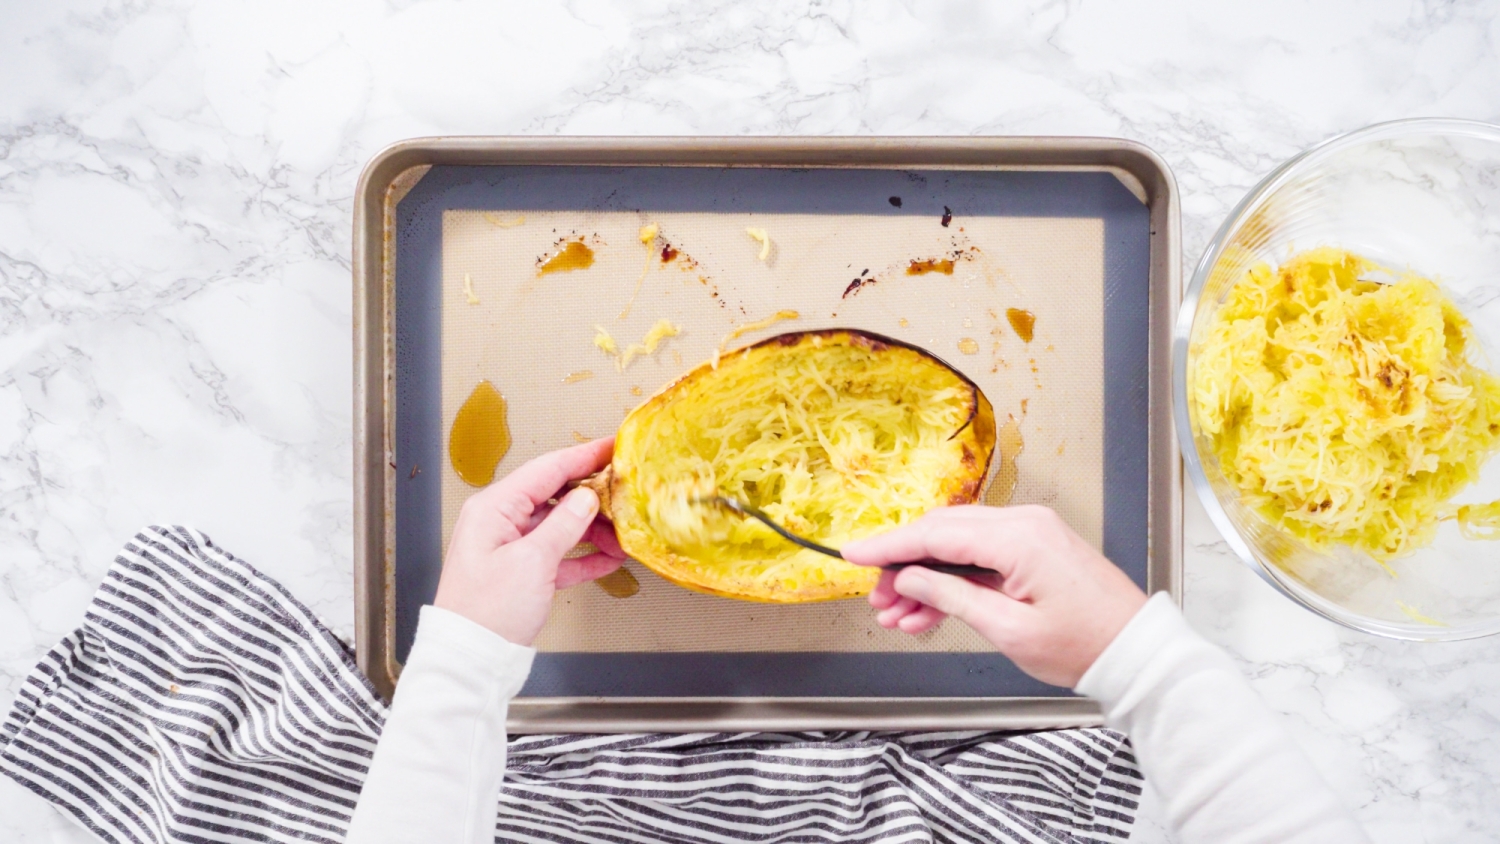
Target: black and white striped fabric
x,y
201,702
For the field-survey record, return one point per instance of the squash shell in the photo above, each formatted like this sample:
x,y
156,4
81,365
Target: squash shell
x,y
974,441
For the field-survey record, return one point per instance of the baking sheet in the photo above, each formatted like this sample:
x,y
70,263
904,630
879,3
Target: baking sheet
x,y
526,333
1070,247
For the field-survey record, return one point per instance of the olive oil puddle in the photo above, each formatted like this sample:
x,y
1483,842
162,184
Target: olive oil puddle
x,y
619,583
575,255
1024,323
479,437
930,265
1008,441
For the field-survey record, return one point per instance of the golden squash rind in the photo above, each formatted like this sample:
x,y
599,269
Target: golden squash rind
x,y
976,439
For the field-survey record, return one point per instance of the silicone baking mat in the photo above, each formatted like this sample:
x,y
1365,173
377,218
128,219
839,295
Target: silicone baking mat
x,y
846,248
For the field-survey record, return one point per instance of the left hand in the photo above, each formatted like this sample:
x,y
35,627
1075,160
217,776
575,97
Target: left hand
x,y
505,560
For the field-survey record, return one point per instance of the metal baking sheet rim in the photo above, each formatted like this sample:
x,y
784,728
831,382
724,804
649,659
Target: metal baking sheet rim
x,y
380,184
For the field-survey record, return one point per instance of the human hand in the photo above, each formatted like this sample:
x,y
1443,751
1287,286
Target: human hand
x,y
1053,605
505,560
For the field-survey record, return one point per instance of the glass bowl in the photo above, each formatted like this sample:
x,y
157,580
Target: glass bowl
x,y
1420,194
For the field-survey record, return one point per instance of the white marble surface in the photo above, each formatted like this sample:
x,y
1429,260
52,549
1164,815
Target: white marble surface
x,y
175,201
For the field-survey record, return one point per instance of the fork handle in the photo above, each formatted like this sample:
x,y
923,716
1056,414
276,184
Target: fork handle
x,y
957,569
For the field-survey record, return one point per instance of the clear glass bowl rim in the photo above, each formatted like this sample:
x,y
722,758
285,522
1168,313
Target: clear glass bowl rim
x,y
1181,333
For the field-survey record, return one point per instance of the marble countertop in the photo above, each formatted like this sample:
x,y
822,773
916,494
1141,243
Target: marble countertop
x,y
176,186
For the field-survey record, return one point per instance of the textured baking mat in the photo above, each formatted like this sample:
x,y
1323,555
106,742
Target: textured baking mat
x,y
1068,249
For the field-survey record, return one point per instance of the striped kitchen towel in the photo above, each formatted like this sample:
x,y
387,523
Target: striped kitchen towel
x,y
201,702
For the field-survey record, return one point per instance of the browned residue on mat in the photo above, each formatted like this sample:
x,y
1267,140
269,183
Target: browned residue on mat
x,y
864,280
670,253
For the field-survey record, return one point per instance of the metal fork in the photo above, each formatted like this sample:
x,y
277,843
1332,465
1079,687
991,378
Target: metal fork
x,y
744,509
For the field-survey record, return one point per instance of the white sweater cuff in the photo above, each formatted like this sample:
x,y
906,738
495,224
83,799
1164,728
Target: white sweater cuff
x,y
1134,659
467,645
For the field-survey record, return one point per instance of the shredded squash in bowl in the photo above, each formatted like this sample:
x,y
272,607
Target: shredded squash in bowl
x,y
1347,411
835,434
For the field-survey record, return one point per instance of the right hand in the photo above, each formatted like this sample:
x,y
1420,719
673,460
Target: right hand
x,y
1053,607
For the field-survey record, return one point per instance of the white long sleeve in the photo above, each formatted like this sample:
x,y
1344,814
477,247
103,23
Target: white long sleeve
x,y
1226,769
437,770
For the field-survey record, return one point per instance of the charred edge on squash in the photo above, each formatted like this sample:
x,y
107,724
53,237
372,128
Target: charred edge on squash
x,y
968,493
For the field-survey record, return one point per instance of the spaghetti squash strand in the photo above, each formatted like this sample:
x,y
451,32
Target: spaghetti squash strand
x,y
834,445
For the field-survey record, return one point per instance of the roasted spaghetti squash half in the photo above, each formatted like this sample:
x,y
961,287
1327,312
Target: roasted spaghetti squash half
x,y
836,434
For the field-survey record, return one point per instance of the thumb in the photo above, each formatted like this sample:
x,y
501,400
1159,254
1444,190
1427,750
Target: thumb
x,y
980,607
563,527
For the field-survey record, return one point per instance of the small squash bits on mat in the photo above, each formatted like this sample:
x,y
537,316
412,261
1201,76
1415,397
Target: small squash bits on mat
x,y
836,434
1345,410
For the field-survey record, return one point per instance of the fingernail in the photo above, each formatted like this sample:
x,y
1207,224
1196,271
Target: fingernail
x,y
582,502
913,585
